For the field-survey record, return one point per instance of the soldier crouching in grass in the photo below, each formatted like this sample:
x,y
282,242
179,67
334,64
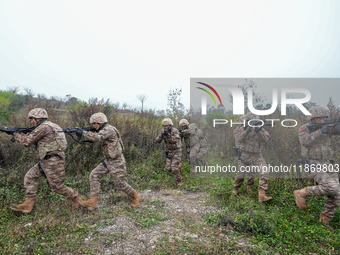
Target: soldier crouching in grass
x,y
173,143
318,148
50,148
114,162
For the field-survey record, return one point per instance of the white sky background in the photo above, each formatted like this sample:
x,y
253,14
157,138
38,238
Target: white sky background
x,y
116,50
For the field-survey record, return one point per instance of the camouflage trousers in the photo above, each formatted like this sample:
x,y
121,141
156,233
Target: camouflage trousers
x,y
194,150
251,164
201,154
328,185
117,168
55,174
172,163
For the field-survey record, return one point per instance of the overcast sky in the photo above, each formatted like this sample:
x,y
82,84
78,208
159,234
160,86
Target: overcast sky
x,y
116,50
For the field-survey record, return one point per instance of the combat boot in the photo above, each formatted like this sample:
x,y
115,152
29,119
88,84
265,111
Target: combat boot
x,y
179,184
300,197
27,206
135,200
235,190
263,197
325,220
75,203
249,190
91,203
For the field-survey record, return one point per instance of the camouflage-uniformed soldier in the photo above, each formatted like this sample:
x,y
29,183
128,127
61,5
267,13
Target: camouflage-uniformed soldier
x,y
251,146
189,133
240,175
203,141
114,162
172,141
317,147
50,146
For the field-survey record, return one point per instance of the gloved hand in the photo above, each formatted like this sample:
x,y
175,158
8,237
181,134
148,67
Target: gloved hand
x,y
257,129
166,132
326,129
248,130
79,132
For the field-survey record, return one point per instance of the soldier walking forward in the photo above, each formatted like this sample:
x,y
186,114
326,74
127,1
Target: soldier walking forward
x,y
50,149
203,141
251,146
172,141
238,152
114,162
317,147
191,140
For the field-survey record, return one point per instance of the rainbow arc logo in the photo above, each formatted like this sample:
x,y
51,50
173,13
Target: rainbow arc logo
x,y
207,91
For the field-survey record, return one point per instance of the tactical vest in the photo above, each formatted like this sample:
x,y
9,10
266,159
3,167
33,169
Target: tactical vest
x,y
112,150
59,142
177,144
251,144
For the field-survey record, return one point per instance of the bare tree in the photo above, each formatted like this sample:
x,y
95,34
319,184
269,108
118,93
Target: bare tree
x,y
174,102
142,98
334,112
258,100
29,92
13,89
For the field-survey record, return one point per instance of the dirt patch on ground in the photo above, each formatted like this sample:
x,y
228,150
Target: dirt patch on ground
x,y
164,218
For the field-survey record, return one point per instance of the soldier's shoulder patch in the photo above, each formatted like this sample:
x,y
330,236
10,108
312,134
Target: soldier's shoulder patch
x,y
302,131
238,130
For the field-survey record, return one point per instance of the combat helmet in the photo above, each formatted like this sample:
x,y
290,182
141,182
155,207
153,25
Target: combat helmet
x,y
183,122
167,121
242,118
193,127
317,112
38,113
250,116
98,117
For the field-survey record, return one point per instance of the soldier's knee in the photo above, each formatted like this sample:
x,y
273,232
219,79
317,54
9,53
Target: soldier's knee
x,y
120,185
119,182
58,188
94,177
332,188
176,172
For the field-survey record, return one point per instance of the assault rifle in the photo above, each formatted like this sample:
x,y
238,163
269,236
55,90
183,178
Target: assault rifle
x,y
304,162
314,127
73,130
257,123
166,132
12,130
